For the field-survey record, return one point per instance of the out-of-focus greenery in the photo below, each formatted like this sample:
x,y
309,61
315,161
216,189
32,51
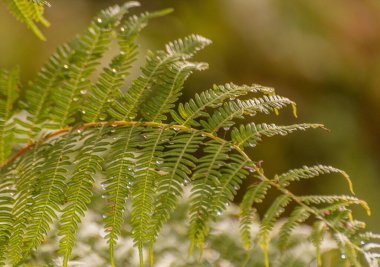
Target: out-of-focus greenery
x,y
222,249
323,54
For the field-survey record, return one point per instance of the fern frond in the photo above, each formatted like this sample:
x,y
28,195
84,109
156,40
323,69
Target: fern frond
x,y
212,98
274,211
30,13
251,134
127,107
144,185
254,194
299,215
118,181
8,95
311,172
178,162
39,94
205,179
27,174
168,90
89,49
50,186
111,80
6,217
79,188
225,116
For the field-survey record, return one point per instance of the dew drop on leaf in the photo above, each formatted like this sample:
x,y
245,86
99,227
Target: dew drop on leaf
x,y
99,20
83,92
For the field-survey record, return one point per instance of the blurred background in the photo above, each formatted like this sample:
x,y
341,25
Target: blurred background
x,y
325,55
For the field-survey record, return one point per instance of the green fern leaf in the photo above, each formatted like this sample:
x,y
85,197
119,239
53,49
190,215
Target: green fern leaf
x,y
168,90
251,134
271,215
117,184
212,98
79,188
205,179
177,165
8,95
224,116
254,194
112,79
299,215
127,107
30,13
144,185
88,51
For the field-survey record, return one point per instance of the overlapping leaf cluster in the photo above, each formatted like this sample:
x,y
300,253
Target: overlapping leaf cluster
x,y
29,12
75,127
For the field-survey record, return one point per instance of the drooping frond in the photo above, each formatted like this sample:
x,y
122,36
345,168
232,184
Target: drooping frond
x,y
205,179
144,187
118,181
298,216
79,187
29,12
254,194
270,217
177,165
50,186
311,172
9,92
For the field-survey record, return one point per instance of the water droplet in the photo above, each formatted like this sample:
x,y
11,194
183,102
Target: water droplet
x,y
236,188
343,256
114,70
75,99
158,162
103,186
122,29
103,196
83,92
232,98
122,53
104,216
130,169
252,170
113,130
102,117
12,194
83,79
7,188
176,129
203,135
362,242
219,212
226,128
66,66
110,100
145,136
99,20
226,204
252,144
83,111
79,130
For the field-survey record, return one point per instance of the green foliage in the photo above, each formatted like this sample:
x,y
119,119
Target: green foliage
x,y
75,127
29,12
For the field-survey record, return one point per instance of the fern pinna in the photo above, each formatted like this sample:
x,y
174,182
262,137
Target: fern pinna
x,y
72,129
